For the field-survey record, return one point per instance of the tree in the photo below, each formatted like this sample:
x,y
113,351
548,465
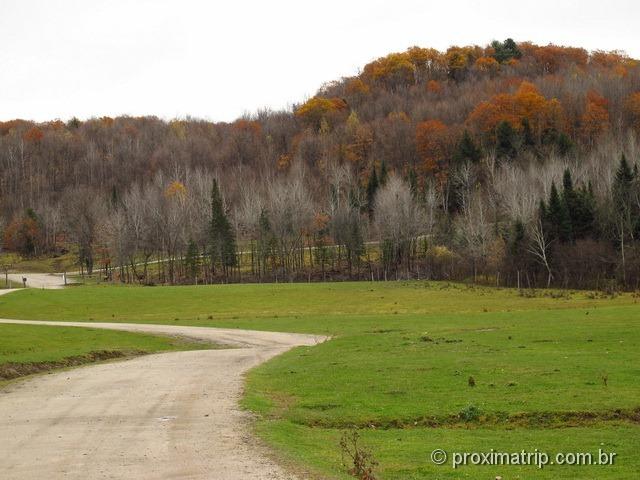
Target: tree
x,y
467,150
632,108
384,173
192,260
433,142
557,218
540,246
398,222
627,216
24,234
506,140
580,204
222,242
84,211
595,119
372,188
317,109
505,51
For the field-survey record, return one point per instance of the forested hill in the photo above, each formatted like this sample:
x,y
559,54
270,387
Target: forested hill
x,y
480,151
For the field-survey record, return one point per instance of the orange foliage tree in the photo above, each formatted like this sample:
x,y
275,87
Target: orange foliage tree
x,y
632,108
527,103
434,142
34,134
595,119
314,110
248,126
487,65
396,69
23,235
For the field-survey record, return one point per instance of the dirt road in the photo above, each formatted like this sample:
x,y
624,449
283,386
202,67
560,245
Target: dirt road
x,y
164,416
34,280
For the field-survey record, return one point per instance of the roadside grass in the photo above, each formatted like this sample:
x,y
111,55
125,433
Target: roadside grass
x,y
27,349
414,366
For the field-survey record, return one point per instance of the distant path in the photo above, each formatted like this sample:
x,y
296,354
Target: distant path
x,y
163,416
34,280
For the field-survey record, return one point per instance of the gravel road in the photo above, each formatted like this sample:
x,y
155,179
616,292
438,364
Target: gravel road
x,y
162,416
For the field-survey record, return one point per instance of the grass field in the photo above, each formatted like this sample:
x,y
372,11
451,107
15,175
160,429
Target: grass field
x,y
559,372
28,349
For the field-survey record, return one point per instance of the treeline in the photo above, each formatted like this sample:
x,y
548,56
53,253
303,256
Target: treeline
x,y
513,164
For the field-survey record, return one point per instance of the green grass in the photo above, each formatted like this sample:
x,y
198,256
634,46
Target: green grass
x,y
557,372
48,347
317,308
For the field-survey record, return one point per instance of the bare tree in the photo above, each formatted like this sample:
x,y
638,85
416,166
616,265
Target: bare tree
x,y
398,221
539,247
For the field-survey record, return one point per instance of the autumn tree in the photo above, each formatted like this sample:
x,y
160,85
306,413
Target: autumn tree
x,y
433,141
595,119
317,109
632,108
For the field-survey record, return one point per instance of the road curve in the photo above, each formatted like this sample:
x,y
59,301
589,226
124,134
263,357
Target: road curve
x,y
162,416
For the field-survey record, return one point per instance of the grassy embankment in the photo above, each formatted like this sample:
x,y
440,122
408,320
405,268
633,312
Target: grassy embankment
x,y
559,372
30,349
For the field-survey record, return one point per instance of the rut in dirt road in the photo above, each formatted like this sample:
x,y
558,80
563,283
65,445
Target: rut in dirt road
x,y
162,416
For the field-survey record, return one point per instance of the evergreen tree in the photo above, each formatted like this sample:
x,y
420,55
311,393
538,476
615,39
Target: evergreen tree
x,y
624,185
568,193
222,240
505,51
584,214
528,139
192,260
505,140
384,173
354,240
558,217
372,188
564,144
265,239
467,150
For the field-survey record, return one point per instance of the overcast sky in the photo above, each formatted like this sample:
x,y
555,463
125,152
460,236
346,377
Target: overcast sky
x,y
220,59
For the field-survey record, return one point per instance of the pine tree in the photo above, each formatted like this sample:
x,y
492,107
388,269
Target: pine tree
x,y
265,239
580,204
528,138
467,149
354,243
558,217
384,173
191,260
505,140
564,143
505,51
568,193
622,184
222,240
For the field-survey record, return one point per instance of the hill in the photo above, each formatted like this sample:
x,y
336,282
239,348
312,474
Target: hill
x,y
512,162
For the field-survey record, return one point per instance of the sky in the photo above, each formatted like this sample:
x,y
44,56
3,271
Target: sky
x,y
219,60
